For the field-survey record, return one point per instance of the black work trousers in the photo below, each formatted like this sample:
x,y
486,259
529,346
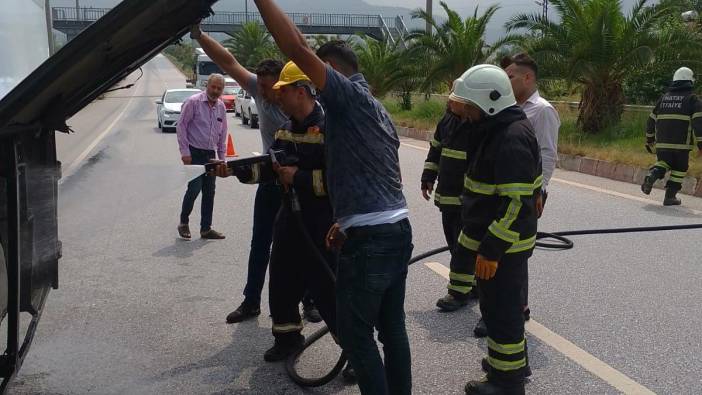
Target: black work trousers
x,y
501,307
675,161
295,268
461,274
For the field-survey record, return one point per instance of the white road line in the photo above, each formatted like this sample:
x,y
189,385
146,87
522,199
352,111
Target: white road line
x,y
621,195
611,376
77,162
593,188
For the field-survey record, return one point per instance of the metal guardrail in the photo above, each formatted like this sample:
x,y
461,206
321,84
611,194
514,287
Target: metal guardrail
x,y
87,14
627,107
574,105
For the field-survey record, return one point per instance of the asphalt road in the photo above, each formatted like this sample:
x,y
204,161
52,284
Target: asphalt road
x,y
140,311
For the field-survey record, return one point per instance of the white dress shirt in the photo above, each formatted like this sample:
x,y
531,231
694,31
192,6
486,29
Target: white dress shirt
x,y
545,120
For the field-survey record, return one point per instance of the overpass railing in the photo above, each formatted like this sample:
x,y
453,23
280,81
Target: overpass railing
x,y
88,14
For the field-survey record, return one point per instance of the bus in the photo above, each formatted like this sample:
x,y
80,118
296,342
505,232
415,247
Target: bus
x,y
204,66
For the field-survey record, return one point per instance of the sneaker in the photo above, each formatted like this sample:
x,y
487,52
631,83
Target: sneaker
x,y
311,314
480,329
282,350
211,235
485,387
184,231
451,302
244,312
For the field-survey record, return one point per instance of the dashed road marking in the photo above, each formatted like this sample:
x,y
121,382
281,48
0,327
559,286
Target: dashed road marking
x,y
593,188
589,362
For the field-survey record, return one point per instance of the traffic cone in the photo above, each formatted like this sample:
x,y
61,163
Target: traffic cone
x,y
231,152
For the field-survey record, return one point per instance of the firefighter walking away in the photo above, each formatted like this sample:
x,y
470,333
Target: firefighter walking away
x,y
673,127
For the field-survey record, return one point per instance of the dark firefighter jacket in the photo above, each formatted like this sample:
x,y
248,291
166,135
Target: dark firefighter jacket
x,y
303,144
503,176
676,121
447,161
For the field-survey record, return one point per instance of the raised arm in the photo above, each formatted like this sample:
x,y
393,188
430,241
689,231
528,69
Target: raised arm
x,y
223,58
291,42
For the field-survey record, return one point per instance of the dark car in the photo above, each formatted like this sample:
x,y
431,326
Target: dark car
x,y
93,62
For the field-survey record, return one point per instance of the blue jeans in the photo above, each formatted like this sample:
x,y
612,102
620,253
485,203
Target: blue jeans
x,y
266,206
204,183
370,295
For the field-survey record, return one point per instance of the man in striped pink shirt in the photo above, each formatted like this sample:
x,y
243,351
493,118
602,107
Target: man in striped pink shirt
x,y
202,134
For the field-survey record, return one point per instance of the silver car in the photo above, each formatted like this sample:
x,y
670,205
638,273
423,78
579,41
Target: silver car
x,y
168,107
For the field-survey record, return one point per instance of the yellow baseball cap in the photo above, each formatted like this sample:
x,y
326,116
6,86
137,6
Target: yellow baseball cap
x,y
290,75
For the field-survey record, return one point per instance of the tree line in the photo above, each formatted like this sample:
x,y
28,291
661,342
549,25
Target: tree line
x,y
596,49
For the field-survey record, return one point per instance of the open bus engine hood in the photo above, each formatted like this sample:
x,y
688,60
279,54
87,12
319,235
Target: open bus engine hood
x,y
104,53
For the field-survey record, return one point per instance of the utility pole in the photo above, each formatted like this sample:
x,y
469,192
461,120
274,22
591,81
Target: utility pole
x,y
246,10
430,9
78,9
49,26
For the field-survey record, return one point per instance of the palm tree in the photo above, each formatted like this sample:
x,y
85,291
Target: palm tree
x,y
381,64
251,44
595,44
454,45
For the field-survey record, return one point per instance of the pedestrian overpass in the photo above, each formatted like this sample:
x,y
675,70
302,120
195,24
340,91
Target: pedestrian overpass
x,y
71,21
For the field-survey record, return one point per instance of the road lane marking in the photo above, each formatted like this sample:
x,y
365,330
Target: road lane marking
x,y
621,195
589,362
73,167
593,188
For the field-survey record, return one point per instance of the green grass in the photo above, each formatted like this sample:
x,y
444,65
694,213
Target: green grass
x,y
623,143
424,114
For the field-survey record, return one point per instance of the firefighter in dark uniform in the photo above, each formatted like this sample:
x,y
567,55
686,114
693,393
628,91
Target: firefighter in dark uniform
x,y
294,267
446,161
499,218
673,127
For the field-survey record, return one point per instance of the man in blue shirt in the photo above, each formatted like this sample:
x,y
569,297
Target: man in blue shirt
x,y
372,231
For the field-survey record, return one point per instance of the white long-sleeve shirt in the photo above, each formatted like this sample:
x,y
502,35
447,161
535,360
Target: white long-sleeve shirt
x,y
546,122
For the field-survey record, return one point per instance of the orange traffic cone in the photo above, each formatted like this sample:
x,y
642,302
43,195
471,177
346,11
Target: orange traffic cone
x,y
231,152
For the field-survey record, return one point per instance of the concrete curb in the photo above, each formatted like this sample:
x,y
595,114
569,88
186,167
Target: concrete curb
x,y
596,167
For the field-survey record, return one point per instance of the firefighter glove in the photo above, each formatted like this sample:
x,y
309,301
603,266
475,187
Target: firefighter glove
x,y
485,269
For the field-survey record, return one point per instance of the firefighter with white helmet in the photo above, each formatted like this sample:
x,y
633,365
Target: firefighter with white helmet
x,y
502,181
674,128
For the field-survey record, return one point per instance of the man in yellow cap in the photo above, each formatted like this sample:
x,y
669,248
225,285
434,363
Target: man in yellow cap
x,y
295,265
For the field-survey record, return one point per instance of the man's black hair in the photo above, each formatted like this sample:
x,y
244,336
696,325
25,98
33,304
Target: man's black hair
x,y
269,68
341,53
521,59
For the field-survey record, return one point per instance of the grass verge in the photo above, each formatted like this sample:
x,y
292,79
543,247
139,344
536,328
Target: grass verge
x,y
623,143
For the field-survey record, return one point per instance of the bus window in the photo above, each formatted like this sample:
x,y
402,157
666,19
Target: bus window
x,y
207,68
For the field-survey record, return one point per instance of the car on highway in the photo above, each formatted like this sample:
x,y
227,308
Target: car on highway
x,y
229,97
169,105
245,107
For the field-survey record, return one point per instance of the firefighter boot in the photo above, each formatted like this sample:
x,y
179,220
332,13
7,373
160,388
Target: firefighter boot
x,y
284,347
647,185
452,302
654,174
485,387
670,198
